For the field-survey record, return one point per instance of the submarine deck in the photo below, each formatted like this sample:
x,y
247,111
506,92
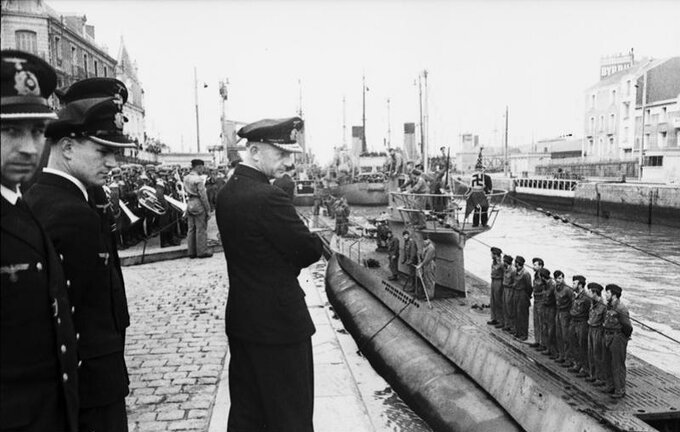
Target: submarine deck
x,y
652,401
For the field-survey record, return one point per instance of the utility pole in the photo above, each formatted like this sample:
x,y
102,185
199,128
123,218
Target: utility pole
x,y
389,126
363,115
505,161
422,132
644,109
299,98
198,130
426,122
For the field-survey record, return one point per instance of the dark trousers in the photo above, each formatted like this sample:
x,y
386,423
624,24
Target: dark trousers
x,y
579,343
562,333
394,266
522,303
509,307
549,336
615,360
50,415
538,322
271,387
497,300
596,352
108,418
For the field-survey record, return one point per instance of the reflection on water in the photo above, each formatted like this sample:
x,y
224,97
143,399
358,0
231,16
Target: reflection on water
x,y
398,416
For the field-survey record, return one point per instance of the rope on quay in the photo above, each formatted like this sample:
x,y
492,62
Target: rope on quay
x,y
631,318
608,237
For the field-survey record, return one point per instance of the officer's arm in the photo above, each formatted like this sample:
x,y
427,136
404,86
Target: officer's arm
x,y
287,233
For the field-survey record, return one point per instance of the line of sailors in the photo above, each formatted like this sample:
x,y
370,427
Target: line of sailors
x,y
583,327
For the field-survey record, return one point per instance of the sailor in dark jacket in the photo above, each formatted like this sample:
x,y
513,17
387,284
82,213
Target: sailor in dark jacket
x,y
38,362
271,377
83,141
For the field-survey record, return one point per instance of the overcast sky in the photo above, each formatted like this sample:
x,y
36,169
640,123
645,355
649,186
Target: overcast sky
x,y
537,57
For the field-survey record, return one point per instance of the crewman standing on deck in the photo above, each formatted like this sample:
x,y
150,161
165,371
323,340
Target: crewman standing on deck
x,y
522,299
617,331
578,328
496,294
509,275
410,259
393,255
428,267
564,296
596,336
549,313
538,288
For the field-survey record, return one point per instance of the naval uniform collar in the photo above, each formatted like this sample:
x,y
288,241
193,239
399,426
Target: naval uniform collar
x,y
250,171
10,195
69,177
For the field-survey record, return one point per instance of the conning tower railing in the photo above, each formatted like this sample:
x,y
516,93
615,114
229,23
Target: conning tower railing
x,y
442,213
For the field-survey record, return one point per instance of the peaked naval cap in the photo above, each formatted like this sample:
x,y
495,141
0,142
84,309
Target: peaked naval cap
x,y
281,133
93,109
27,82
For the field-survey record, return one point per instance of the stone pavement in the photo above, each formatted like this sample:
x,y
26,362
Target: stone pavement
x,y
177,351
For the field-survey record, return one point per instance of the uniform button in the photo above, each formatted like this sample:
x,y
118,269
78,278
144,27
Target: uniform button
x,y
73,310
68,284
61,257
80,363
38,266
64,377
59,321
77,336
63,349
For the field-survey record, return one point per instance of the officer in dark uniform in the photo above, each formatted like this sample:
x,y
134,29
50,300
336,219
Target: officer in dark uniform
x,y
596,335
496,291
83,144
271,376
522,299
38,362
578,328
480,185
509,276
548,319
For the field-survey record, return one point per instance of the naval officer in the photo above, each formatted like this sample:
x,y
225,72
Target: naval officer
x,y
271,376
83,142
38,383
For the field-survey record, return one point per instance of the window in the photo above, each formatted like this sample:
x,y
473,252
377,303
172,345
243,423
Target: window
x,y
624,138
610,150
96,68
592,125
601,123
74,56
647,114
592,101
56,49
654,161
626,110
85,65
105,71
611,123
628,87
664,113
655,119
613,96
661,139
27,41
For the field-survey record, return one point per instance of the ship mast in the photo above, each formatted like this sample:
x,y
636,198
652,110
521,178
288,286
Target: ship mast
x,y
344,123
363,115
389,126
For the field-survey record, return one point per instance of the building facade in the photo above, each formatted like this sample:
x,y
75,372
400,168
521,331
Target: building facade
x,y
126,71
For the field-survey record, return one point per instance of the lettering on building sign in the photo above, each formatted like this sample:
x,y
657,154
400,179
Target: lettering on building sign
x,y
605,71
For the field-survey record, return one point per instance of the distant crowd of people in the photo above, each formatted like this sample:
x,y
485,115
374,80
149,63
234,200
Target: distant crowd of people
x,y
584,327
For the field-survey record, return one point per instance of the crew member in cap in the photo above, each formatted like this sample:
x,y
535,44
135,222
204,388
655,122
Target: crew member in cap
x,y
198,211
38,358
578,327
271,377
286,182
617,331
480,185
538,287
496,291
596,335
509,276
522,299
84,140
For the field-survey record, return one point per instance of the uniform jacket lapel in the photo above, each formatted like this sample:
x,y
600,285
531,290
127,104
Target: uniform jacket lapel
x,y
15,225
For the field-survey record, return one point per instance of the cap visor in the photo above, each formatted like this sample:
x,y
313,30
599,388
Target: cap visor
x,y
27,111
118,142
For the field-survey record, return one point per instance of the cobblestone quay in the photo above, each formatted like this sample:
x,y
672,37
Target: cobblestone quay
x,y
176,344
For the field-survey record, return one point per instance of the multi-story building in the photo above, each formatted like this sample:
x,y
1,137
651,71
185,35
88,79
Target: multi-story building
x,y
126,71
66,42
660,86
